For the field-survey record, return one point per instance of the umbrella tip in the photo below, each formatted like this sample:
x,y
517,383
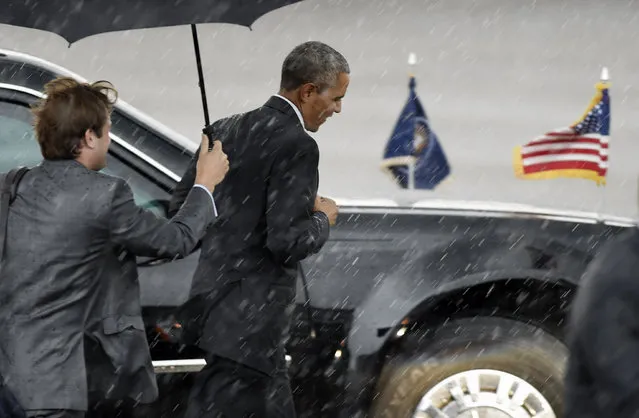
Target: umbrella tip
x,y
605,76
412,59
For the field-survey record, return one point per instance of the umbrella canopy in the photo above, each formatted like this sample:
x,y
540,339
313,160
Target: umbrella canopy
x,y
77,19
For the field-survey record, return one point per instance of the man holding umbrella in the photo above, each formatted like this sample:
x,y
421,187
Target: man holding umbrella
x,y
69,296
270,219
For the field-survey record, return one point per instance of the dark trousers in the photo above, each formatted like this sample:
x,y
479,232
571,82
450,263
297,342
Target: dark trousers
x,y
55,413
227,389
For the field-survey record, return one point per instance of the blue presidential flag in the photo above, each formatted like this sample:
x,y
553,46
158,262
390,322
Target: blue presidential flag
x,y
413,156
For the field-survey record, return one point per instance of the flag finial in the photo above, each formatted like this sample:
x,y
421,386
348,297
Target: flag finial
x,y
605,76
412,59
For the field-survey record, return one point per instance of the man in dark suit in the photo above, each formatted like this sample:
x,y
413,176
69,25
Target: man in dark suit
x,y
62,282
602,377
271,218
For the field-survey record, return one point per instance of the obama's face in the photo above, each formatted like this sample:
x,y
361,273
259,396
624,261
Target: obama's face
x,y
318,105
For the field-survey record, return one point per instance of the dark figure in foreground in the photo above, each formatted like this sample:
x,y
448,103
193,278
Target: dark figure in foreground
x,y
603,369
69,297
271,218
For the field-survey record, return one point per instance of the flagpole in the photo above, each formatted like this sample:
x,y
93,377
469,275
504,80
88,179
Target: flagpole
x,y
605,78
412,60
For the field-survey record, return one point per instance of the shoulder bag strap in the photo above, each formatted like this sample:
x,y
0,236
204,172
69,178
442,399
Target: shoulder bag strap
x,y
8,193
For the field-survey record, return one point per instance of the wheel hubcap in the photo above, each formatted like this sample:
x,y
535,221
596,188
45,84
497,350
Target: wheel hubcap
x,y
483,394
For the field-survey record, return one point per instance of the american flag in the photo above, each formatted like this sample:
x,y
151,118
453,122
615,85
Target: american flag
x,y
580,150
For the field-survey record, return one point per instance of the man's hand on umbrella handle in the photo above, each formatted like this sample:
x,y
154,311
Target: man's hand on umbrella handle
x,y
212,166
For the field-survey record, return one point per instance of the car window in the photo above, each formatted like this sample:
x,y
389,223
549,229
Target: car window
x,y
134,132
17,140
160,149
19,147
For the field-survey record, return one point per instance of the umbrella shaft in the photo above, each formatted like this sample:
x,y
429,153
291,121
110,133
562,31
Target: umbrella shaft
x,y
200,75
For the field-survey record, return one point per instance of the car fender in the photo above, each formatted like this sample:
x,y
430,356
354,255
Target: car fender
x,y
424,275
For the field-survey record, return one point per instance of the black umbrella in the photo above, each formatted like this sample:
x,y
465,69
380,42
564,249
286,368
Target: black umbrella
x,y
77,19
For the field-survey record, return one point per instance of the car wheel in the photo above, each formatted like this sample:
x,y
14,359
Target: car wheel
x,y
474,368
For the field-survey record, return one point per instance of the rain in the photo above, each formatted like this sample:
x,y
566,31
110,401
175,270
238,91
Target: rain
x,y
491,75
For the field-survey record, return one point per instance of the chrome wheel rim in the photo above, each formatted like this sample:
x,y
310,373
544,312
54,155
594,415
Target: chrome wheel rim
x,y
483,393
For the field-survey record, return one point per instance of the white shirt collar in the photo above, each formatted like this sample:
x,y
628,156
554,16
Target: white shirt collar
x,y
297,111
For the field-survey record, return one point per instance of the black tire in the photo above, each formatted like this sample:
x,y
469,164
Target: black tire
x,y
427,358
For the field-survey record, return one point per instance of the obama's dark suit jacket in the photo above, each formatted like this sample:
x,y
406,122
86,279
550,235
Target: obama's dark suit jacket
x,y
244,287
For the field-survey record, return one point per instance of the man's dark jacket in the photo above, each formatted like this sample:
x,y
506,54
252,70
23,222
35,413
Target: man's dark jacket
x,y
69,297
603,369
244,286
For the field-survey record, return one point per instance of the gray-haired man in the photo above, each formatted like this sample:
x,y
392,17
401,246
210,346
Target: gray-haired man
x,y
271,218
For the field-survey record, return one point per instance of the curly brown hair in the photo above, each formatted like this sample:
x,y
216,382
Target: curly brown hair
x,y
69,109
